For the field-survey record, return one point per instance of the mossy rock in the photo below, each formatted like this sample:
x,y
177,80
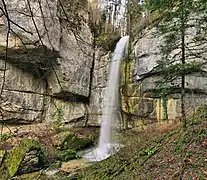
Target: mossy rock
x,y
35,176
4,174
27,157
75,143
66,155
55,165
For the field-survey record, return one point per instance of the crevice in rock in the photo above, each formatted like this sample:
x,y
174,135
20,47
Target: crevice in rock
x,y
175,90
71,97
45,102
18,121
37,60
76,120
156,72
92,68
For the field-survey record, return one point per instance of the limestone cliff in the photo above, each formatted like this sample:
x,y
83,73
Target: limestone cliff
x,y
146,54
47,74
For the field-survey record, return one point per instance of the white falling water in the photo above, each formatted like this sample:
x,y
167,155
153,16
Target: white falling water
x,y
110,120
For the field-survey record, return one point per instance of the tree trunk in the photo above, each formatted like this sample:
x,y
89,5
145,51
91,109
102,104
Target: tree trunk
x,y
183,116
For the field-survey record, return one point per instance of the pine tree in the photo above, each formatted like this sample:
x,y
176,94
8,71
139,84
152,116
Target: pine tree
x,y
182,50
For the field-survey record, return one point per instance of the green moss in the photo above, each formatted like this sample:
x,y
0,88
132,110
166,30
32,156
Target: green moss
x,y
30,176
55,165
2,155
75,143
4,174
67,155
107,40
15,156
201,112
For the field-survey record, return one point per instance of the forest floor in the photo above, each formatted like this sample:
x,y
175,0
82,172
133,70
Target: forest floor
x,y
164,152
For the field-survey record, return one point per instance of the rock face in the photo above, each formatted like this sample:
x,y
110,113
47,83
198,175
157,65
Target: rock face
x,y
75,63
47,74
36,22
22,99
135,107
98,87
146,54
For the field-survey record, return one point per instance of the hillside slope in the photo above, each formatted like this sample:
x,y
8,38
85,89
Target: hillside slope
x,y
176,154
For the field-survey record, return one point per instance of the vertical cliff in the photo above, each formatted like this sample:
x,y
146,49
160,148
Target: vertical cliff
x,y
46,55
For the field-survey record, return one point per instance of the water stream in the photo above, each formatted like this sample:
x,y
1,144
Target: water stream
x,y
108,144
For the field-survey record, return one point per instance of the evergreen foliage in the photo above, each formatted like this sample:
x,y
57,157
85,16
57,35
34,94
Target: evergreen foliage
x,y
183,28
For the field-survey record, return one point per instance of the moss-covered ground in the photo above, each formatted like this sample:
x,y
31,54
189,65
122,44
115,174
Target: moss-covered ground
x,y
165,153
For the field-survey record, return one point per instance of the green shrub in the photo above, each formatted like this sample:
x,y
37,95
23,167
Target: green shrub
x,y
108,40
66,155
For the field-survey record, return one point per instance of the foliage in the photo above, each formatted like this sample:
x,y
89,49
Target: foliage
x,y
201,112
6,136
59,116
107,40
66,155
181,54
135,21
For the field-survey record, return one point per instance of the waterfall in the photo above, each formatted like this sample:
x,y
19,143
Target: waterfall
x,y
110,120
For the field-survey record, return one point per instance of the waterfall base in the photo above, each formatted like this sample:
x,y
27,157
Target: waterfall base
x,y
99,154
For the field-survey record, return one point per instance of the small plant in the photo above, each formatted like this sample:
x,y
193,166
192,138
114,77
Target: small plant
x,y
201,112
59,116
180,142
67,155
202,134
189,154
149,151
6,136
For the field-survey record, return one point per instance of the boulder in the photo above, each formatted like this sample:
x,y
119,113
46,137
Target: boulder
x,y
75,143
66,155
27,157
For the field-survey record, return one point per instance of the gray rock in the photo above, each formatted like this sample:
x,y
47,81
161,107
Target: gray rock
x,y
30,163
74,67
42,81
147,54
22,100
46,21
71,113
98,88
